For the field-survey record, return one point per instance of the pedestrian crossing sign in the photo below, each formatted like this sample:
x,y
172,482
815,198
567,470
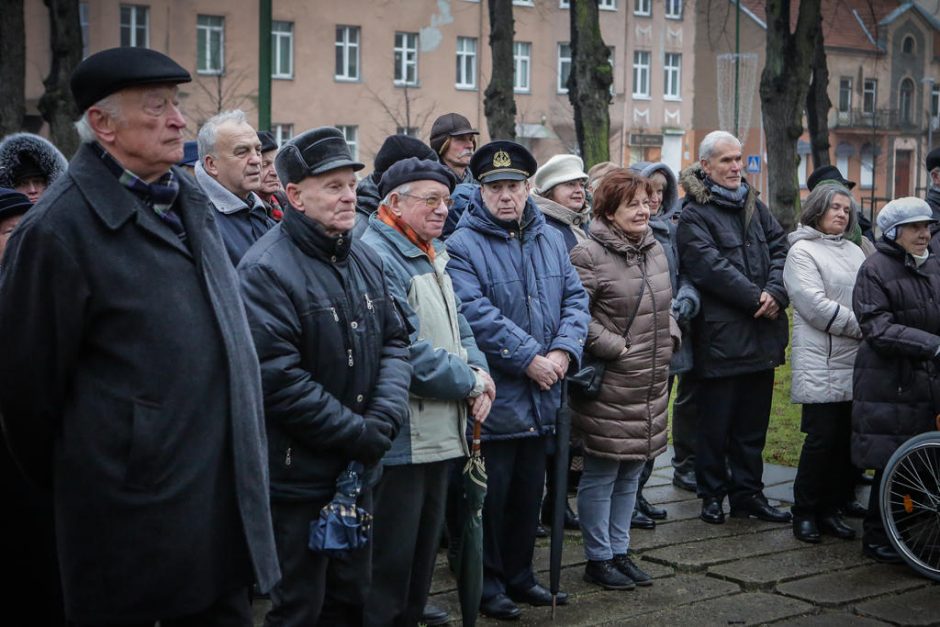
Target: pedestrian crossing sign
x,y
753,164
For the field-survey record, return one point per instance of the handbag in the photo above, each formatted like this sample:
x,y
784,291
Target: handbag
x,y
585,384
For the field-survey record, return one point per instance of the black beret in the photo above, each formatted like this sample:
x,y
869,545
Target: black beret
x,y
449,125
414,169
827,173
398,147
933,159
313,152
13,203
502,160
267,140
108,71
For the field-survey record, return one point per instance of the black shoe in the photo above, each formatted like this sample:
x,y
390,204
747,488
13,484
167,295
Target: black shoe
x,y
685,480
853,509
625,565
712,512
835,526
433,615
572,522
540,531
805,530
656,513
641,520
604,574
883,553
538,596
500,607
757,506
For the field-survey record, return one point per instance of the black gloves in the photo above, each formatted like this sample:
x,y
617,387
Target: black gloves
x,y
373,442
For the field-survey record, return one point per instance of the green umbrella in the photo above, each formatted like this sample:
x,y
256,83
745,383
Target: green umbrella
x,y
470,552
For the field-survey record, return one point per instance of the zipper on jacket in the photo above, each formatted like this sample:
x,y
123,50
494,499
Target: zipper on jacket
x,y
649,390
368,303
335,315
350,357
287,457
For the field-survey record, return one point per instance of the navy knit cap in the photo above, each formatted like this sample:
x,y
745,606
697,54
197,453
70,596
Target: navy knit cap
x,y
414,169
13,203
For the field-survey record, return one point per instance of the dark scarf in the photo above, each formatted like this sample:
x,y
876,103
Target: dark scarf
x,y
734,197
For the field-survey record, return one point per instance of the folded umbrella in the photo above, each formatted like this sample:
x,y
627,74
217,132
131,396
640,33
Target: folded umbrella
x,y
342,525
470,551
562,444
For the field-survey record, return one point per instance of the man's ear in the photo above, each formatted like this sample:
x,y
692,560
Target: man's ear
x,y
102,124
293,196
210,166
394,203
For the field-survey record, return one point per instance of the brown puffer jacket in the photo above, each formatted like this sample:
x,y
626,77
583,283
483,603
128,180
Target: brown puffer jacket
x,y
627,421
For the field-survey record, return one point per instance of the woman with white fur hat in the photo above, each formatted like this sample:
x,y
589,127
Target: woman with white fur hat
x,y
896,382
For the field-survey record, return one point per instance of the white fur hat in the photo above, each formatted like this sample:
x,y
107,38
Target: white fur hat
x,y
559,169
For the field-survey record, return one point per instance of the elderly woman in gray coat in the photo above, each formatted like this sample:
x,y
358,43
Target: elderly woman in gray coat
x,y
819,275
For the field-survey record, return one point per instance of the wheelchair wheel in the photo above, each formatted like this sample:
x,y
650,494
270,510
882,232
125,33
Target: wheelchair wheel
x,y
910,503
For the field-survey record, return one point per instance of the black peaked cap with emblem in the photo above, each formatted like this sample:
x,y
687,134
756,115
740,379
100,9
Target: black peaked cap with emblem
x,y
502,160
108,71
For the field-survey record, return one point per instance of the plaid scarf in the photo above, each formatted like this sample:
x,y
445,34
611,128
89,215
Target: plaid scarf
x,y
159,195
385,215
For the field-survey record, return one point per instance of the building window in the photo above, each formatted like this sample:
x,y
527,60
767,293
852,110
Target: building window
x,y
522,63
845,95
906,101
466,63
410,131
406,58
564,67
524,3
641,74
869,95
210,44
674,9
672,75
282,132
564,4
907,45
351,135
842,163
801,170
642,7
135,22
866,177
934,100
83,22
282,49
347,53
607,5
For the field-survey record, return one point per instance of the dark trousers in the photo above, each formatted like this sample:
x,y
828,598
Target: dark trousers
x,y
516,471
685,423
873,529
736,429
315,588
409,512
822,477
229,610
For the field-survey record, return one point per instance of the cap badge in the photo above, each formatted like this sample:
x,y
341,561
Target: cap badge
x,y
501,159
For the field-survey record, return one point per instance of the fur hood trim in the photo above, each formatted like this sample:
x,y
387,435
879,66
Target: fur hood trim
x,y
52,162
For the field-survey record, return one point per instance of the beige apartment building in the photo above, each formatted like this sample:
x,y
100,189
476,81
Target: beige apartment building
x,y
884,84
376,67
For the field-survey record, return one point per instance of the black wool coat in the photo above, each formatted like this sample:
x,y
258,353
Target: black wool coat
x,y
333,348
129,384
896,382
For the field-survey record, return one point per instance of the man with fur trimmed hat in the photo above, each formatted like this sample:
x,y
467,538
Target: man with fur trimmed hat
x,y
333,349
454,140
131,390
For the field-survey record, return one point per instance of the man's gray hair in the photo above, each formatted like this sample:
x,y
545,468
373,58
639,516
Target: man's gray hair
x,y
205,140
402,189
110,105
707,148
817,204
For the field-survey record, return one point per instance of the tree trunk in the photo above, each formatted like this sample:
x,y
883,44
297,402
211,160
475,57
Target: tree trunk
x,y
589,83
12,67
818,105
57,105
499,103
784,84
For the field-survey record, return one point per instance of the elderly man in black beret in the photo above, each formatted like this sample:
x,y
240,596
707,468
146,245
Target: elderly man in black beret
x,y
132,389
333,348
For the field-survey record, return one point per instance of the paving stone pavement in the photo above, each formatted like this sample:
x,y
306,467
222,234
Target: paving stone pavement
x,y
745,572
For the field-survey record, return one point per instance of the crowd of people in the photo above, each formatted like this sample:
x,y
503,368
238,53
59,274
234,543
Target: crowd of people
x,y
201,341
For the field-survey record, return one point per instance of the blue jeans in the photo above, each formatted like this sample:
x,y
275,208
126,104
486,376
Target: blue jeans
x,y
606,496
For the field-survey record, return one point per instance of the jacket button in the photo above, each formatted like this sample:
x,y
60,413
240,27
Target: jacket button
x,y
359,398
354,324
333,258
339,241
531,428
505,351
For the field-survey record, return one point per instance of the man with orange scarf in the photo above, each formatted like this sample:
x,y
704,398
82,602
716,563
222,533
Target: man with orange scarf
x,y
450,380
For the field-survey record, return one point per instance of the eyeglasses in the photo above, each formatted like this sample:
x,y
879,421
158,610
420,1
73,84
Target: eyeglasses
x,y
433,202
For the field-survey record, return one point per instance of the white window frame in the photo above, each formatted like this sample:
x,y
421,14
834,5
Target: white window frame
x,y
347,52
870,87
283,131
672,76
842,164
83,23
641,74
563,62
139,18
643,7
607,5
351,135
406,58
673,10
524,3
522,67
845,89
564,4
280,31
866,172
466,63
205,64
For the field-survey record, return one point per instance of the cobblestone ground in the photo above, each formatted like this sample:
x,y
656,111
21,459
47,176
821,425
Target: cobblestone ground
x,y
744,572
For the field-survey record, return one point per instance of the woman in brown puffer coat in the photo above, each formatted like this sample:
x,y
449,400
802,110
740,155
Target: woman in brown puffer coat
x,y
626,274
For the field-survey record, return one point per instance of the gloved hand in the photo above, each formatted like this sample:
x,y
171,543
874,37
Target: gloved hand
x,y
372,442
683,308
